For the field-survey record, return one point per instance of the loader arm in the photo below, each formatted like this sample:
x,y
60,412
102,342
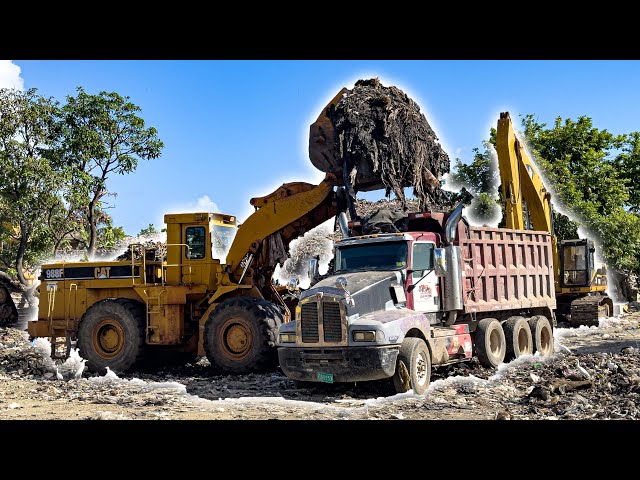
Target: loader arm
x,y
289,211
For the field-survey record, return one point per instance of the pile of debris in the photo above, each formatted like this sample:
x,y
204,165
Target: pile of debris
x,y
19,357
376,137
153,251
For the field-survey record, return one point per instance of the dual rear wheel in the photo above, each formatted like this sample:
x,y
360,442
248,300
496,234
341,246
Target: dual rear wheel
x,y
496,343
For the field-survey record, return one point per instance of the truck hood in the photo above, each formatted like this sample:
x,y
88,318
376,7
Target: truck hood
x,y
371,291
357,281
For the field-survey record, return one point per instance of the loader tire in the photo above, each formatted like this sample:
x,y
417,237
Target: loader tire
x,y
240,335
518,337
112,334
413,367
489,342
542,334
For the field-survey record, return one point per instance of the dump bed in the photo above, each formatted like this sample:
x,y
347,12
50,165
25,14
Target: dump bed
x,y
506,269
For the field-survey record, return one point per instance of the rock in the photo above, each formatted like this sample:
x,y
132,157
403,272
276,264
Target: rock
x,y
539,392
534,377
13,406
504,415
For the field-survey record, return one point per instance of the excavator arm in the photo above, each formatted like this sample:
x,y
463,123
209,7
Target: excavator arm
x,y
522,185
521,181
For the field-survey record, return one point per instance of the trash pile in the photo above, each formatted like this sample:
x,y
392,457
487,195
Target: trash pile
x,y
376,137
20,358
153,251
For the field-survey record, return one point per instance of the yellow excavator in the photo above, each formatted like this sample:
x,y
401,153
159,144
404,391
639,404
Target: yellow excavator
x,y
580,283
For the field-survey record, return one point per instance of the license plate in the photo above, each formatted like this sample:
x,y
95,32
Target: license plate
x,y
325,377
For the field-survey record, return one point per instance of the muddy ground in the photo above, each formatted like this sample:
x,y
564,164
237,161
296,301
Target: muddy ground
x,y
594,374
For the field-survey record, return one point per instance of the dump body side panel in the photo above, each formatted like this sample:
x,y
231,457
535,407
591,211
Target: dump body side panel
x,y
507,269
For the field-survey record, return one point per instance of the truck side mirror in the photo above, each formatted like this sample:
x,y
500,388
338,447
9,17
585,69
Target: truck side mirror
x,y
440,262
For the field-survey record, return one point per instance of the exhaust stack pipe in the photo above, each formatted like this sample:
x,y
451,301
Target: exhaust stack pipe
x,y
451,227
344,225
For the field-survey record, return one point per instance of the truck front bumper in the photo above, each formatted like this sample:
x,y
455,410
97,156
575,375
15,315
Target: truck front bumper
x,y
348,364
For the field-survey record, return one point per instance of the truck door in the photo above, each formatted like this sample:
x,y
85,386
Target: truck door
x,y
426,294
195,237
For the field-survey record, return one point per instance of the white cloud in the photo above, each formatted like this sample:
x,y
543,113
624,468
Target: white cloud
x,y
202,204
10,75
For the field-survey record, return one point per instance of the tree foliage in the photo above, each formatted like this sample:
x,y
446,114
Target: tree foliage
x,y
590,182
54,164
102,134
29,186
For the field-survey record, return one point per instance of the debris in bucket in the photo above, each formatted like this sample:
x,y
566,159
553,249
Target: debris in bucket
x,y
376,137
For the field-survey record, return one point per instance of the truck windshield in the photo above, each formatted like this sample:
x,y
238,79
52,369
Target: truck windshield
x,y
221,240
371,256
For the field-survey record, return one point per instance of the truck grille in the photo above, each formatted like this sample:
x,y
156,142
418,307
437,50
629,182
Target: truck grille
x,y
309,322
331,322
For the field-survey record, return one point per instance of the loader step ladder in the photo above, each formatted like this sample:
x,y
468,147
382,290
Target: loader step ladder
x,y
154,305
61,346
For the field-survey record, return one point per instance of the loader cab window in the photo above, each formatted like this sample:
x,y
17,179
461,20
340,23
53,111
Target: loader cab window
x,y
196,242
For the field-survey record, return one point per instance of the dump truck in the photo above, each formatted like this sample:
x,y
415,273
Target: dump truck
x,y
436,292
580,283
211,293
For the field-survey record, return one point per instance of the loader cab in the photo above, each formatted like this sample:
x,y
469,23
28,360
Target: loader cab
x,y
576,262
197,243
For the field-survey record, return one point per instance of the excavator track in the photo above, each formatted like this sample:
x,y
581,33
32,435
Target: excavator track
x,y
588,310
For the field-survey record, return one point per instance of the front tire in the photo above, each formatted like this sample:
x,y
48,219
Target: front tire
x,y
413,367
111,334
240,335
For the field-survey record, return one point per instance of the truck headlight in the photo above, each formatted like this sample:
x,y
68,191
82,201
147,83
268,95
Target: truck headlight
x,y
287,338
364,336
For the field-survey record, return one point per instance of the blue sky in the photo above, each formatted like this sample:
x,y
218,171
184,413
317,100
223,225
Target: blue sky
x,y
237,129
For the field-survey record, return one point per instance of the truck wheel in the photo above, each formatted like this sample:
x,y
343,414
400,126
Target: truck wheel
x,y
489,344
111,334
542,335
413,366
240,335
518,336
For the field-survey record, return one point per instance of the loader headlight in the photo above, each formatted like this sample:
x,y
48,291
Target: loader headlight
x,y
287,338
364,336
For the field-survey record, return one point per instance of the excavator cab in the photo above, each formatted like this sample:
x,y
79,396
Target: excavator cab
x,y
577,262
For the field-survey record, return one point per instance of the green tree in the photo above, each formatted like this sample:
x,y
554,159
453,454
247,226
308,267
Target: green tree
x,y
628,164
29,185
102,134
481,178
577,160
150,230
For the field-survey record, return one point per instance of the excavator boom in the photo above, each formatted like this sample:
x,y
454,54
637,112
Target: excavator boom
x,y
522,185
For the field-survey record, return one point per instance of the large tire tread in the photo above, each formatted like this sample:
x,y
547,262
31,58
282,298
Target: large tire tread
x,y
264,356
132,313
